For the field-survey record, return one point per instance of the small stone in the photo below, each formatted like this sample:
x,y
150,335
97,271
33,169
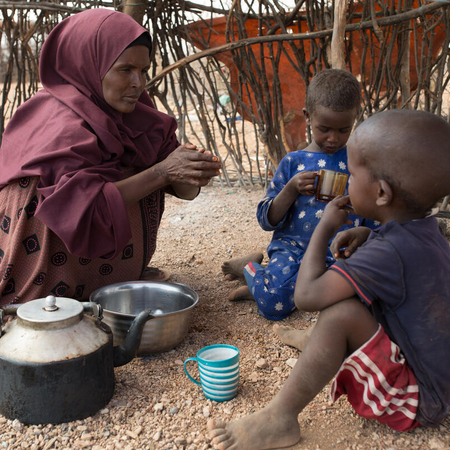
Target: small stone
x,y
262,364
157,436
158,407
291,362
253,377
131,434
178,362
173,411
104,411
435,444
17,425
86,437
138,430
180,440
206,412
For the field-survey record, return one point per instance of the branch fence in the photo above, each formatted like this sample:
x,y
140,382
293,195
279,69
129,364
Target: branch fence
x,y
228,85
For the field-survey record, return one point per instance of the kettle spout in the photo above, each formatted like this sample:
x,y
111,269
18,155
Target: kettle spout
x,y
125,352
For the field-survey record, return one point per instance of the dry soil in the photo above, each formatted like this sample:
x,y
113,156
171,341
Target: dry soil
x,y
155,406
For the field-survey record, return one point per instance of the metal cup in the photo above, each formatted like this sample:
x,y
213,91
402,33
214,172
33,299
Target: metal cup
x,y
330,184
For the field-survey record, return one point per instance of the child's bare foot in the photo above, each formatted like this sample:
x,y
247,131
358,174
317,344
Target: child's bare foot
x,y
234,268
260,431
292,337
242,293
154,274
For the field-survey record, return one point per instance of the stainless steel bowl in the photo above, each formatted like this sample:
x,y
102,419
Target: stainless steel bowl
x,y
171,304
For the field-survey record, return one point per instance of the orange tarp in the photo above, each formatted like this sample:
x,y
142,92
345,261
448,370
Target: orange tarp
x,y
291,83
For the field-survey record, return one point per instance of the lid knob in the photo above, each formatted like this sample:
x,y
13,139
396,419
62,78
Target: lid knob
x,y
50,303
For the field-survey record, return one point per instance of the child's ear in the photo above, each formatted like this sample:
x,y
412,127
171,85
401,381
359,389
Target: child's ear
x,y
307,116
384,194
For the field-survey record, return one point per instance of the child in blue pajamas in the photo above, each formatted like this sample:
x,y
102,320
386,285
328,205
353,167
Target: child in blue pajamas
x,y
289,208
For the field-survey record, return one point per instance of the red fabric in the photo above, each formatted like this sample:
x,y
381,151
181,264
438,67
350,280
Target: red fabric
x,y
76,143
35,263
379,384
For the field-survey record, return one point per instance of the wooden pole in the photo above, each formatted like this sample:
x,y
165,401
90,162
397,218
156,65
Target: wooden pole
x,y
136,9
338,36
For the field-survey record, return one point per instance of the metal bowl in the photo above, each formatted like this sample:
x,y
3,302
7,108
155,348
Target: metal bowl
x,y
171,305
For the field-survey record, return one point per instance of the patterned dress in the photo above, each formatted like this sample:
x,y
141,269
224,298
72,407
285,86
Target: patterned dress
x,y
273,286
34,262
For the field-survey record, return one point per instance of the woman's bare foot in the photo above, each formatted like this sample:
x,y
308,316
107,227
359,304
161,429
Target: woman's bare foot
x,y
234,268
260,431
292,337
242,293
154,274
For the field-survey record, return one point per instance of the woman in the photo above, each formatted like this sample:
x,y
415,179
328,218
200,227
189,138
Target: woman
x,y
85,163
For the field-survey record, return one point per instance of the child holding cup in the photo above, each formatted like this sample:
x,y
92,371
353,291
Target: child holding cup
x,y
290,208
384,330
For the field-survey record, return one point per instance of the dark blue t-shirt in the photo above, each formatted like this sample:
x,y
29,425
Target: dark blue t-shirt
x,y
402,272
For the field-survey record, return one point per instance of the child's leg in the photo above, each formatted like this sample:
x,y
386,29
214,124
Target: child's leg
x,y
272,287
234,268
340,330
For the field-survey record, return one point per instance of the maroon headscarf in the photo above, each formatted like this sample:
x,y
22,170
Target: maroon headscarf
x,y
69,136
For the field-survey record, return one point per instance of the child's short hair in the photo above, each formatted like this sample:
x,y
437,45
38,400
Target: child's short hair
x,y
336,89
411,155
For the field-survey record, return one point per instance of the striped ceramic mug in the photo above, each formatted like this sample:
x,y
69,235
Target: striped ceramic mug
x,y
218,366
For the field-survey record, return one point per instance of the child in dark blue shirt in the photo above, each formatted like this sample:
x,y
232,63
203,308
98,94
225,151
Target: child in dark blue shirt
x,y
384,327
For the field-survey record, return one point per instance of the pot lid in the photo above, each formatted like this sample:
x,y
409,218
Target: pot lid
x,y
50,310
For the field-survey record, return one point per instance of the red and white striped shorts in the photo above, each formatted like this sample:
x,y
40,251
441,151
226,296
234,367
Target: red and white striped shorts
x,y
379,383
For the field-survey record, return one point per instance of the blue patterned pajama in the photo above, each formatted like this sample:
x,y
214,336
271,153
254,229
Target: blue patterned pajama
x,y
273,286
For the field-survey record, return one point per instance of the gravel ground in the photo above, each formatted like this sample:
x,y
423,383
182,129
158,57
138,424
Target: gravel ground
x,y
155,406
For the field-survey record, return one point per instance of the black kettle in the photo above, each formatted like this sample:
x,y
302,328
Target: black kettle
x,y
57,360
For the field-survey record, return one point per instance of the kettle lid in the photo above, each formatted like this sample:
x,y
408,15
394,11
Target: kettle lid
x,y
50,310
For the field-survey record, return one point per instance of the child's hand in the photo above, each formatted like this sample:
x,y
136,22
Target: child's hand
x,y
303,182
336,214
350,240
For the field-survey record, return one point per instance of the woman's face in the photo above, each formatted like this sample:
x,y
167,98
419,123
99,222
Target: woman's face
x,y
125,80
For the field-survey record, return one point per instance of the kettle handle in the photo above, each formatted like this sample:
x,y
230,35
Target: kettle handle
x,y
94,308
8,310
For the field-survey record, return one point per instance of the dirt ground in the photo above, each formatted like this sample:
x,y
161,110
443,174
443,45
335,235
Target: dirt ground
x,y
155,406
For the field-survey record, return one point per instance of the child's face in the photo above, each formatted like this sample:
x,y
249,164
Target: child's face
x,y
330,129
362,187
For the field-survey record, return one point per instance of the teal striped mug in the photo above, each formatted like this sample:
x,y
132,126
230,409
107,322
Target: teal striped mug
x,y
218,367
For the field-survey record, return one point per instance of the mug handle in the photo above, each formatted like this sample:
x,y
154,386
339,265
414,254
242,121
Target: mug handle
x,y
316,182
187,373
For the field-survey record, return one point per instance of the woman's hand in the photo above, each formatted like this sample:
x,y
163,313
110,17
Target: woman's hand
x,y
189,165
186,170
349,239
303,183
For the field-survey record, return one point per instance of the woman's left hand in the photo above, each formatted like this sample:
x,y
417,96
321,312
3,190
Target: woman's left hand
x,y
189,165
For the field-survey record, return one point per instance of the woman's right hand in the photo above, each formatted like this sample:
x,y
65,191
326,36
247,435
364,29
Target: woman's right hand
x,y
349,239
189,165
